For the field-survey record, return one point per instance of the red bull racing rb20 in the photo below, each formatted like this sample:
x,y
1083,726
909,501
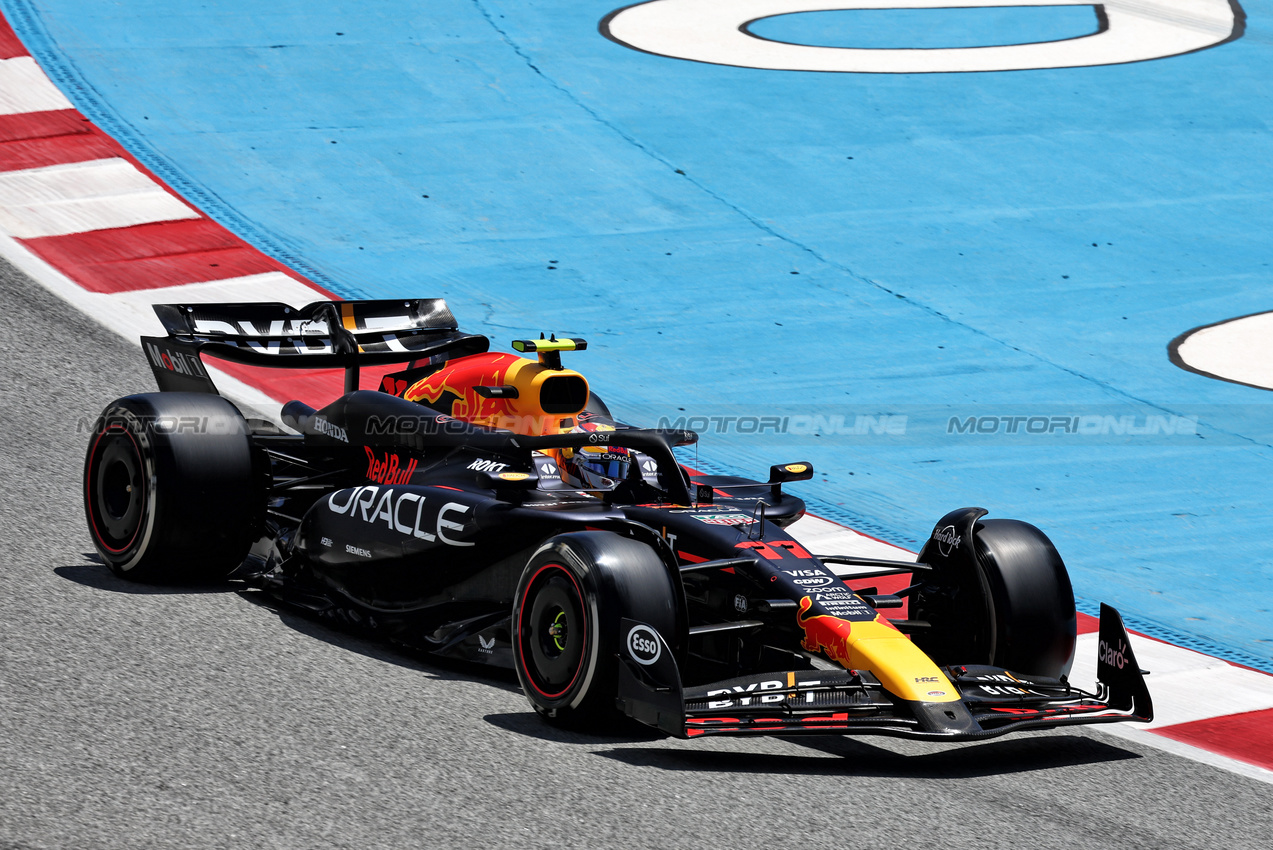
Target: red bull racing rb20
x,y
488,507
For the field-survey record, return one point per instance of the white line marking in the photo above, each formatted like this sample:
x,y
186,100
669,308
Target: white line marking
x,y
70,181
83,196
823,537
25,88
270,286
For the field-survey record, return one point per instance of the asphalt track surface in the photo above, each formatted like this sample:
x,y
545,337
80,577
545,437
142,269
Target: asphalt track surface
x,y
151,717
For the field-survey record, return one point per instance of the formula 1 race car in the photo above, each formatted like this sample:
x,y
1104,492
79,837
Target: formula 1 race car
x,y
488,507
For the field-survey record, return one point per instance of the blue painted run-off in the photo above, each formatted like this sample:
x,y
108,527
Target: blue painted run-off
x,y
750,243
930,28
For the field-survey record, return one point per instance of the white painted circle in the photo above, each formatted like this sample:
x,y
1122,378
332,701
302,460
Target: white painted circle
x,y
1239,350
714,31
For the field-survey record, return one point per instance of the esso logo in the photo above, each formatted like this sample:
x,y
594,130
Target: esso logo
x,y
815,581
643,645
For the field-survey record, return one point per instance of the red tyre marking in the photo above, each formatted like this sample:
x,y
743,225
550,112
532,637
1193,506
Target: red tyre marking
x,y
88,489
521,610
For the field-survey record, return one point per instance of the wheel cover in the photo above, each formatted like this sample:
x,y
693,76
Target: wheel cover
x,y
552,631
116,484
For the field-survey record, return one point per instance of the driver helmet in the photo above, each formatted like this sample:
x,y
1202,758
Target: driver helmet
x,y
600,467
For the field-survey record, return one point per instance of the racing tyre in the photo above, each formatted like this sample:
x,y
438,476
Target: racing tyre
x,y
168,487
566,613
1013,607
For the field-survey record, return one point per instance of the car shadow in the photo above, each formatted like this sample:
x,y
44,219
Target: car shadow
x,y
531,725
93,573
857,757
375,647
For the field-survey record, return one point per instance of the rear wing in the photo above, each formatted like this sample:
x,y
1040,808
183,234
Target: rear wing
x,y
324,334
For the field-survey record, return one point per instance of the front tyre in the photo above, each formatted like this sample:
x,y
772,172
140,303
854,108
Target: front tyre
x,y
169,488
557,636
1035,622
998,594
572,594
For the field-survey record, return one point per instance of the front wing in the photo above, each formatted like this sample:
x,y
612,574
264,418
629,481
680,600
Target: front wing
x,y
993,701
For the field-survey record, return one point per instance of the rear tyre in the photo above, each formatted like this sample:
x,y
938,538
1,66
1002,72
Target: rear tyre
x,y
572,594
169,489
1014,608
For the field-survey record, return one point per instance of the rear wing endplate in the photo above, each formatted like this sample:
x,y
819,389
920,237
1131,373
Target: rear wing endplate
x,y
324,334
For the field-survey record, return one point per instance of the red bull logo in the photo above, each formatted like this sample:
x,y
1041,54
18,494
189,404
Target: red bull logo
x,y
825,634
390,470
517,395
458,379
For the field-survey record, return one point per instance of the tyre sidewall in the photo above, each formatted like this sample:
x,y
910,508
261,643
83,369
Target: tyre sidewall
x,y
618,577
597,606
1034,619
120,420
201,503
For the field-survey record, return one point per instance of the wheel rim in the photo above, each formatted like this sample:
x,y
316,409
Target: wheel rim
x,y
116,485
552,631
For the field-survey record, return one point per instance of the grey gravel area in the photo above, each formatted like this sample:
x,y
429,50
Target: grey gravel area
x,y
139,717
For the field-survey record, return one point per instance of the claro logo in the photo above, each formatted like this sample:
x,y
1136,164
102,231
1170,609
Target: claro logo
x,y
643,645
1114,657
